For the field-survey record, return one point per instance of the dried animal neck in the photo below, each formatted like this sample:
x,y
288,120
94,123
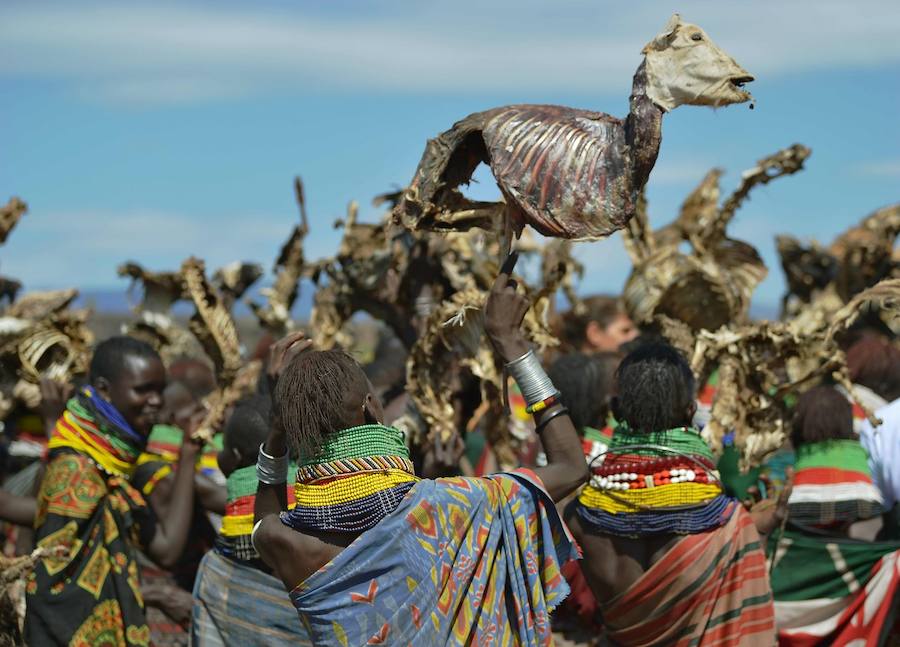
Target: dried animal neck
x,y
643,129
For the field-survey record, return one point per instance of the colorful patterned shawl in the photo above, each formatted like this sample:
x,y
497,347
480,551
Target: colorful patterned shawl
x,y
91,595
460,561
834,591
709,589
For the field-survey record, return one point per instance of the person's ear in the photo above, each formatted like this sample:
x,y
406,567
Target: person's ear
x,y
102,386
594,334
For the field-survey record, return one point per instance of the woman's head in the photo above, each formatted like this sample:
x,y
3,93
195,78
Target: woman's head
x,y
603,325
246,429
321,392
822,413
585,384
129,374
655,389
874,362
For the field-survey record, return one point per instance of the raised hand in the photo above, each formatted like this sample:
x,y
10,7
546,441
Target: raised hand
x,y
504,311
282,353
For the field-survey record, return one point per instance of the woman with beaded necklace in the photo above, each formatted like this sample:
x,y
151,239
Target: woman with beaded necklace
x,y
669,557
373,555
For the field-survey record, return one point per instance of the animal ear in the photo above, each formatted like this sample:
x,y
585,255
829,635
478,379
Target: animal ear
x,y
662,39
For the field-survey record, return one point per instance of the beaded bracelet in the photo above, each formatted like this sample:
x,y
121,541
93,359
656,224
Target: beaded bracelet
x,y
546,403
271,470
562,411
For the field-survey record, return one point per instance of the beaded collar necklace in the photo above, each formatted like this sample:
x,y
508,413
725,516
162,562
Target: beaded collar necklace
x,y
654,482
358,476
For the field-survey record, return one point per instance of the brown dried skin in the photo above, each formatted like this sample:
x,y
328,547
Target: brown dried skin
x,y
212,322
714,283
454,339
761,363
233,280
569,173
290,267
827,278
161,289
10,214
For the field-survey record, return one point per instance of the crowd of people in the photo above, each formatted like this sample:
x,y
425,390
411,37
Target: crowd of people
x,y
516,473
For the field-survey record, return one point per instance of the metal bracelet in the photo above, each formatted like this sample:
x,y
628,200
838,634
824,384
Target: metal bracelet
x,y
271,470
533,381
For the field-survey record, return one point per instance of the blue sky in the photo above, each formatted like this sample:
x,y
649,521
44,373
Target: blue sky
x,y
152,131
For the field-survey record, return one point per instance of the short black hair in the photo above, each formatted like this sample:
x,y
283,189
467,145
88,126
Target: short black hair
x,y
655,388
585,384
109,356
822,413
248,426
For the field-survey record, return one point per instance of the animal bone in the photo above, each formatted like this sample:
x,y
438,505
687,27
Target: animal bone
x,y
569,173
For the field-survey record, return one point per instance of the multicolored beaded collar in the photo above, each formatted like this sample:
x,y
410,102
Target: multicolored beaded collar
x,y
233,540
358,477
649,483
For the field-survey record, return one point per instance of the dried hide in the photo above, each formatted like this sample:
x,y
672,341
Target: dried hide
x,y
826,279
569,173
713,284
40,336
289,268
454,339
212,323
761,363
10,214
13,574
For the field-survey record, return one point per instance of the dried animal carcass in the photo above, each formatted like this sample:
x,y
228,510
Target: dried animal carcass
x,y
821,280
41,336
214,327
569,173
712,285
454,339
380,269
14,572
155,323
10,214
761,363
290,267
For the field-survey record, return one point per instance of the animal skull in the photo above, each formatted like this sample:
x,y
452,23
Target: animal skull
x,y
684,66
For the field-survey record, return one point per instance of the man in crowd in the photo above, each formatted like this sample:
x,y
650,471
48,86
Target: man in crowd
x,y
87,592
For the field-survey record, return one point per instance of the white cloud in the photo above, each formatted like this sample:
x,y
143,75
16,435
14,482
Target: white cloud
x,y
161,53
886,168
83,249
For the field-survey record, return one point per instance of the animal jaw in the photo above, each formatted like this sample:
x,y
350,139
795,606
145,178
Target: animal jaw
x,y
685,67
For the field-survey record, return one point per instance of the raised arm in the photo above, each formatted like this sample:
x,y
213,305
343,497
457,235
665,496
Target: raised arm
x,y
566,468
172,529
271,497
